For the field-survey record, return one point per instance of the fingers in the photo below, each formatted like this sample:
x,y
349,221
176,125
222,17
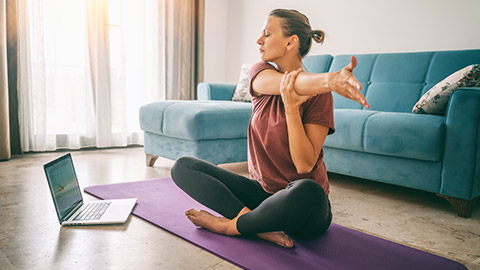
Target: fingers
x,y
282,83
352,85
352,65
353,61
292,77
355,83
288,80
353,94
349,75
290,97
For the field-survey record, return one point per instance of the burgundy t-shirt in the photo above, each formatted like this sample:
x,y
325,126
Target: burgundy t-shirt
x,y
269,160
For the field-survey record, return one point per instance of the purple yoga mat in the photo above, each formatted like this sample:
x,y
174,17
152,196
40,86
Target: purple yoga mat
x,y
162,203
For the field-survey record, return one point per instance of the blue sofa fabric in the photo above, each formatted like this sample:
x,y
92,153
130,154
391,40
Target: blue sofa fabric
x,y
396,134
215,91
405,172
461,170
405,135
199,120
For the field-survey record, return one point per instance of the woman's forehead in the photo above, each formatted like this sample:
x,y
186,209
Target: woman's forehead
x,y
271,23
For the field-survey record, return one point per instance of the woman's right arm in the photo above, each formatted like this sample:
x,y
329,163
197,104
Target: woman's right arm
x,y
267,82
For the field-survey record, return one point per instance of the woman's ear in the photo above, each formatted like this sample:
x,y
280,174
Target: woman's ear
x,y
293,42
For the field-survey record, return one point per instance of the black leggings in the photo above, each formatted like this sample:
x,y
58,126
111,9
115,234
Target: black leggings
x,y
301,209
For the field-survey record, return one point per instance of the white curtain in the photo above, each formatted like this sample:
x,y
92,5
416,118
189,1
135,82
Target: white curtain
x,y
4,114
181,23
85,68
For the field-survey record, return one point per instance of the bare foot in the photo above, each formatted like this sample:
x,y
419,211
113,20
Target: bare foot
x,y
227,226
279,238
212,223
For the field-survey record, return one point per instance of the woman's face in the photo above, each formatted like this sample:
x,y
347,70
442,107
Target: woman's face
x,y
273,45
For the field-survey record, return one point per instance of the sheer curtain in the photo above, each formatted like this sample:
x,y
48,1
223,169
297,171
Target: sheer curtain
x,y
4,119
85,68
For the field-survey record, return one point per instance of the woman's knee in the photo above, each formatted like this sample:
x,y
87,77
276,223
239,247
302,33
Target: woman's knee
x,y
306,188
309,196
181,167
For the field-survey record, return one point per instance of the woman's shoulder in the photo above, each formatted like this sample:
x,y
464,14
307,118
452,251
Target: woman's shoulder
x,y
252,74
259,66
263,64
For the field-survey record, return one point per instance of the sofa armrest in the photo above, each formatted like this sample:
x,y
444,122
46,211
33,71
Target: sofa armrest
x,y
215,91
461,161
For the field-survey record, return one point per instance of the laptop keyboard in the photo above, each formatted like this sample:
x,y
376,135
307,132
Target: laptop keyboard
x,y
92,211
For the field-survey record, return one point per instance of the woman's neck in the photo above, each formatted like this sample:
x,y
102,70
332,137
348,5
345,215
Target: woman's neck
x,y
289,64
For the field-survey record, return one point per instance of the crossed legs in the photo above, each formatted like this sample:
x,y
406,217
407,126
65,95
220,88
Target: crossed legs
x,y
302,209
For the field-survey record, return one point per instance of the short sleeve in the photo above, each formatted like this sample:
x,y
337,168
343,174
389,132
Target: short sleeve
x,y
319,110
254,70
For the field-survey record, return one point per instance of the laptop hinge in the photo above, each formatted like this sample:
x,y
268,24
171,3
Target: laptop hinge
x,y
72,211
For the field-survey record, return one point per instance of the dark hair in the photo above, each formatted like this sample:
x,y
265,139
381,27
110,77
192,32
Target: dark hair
x,y
295,23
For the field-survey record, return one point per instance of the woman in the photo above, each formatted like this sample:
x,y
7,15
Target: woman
x,y
292,115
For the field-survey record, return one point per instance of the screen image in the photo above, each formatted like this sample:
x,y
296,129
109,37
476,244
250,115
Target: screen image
x,y
64,186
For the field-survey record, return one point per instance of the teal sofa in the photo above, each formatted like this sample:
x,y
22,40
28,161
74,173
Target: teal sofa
x,y
386,143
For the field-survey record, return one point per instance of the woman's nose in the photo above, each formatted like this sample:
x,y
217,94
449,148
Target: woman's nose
x,y
260,40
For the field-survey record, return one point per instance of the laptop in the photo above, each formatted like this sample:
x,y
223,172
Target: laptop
x,y
69,204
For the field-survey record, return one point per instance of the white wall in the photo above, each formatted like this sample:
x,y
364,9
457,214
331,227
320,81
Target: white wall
x,y
352,26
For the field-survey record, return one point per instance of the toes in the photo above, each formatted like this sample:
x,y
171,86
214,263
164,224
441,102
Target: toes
x,y
289,244
286,241
190,212
192,216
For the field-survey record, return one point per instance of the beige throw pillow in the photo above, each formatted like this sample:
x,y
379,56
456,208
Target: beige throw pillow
x,y
435,100
242,92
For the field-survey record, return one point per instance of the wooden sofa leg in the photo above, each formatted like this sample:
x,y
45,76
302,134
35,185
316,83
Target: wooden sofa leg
x,y
461,206
150,159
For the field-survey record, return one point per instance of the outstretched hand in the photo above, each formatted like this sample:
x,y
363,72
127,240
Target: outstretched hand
x,y
345,84
291,100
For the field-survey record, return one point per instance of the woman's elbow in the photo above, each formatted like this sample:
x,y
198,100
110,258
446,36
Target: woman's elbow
x,y
304,169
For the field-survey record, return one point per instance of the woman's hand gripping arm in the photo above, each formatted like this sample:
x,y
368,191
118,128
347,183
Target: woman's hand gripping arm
x,y
305,141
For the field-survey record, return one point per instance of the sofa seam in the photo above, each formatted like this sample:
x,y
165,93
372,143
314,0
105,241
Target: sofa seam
x,y
163,120
209,92
370,77
364,137
426,75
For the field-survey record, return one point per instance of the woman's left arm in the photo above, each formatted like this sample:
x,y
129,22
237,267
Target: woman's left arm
x,y
305,141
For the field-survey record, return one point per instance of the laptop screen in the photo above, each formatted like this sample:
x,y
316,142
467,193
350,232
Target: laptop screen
x,y
63,184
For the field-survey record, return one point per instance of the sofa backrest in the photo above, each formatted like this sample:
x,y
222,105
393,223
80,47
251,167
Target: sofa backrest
x,y
394,82
317,63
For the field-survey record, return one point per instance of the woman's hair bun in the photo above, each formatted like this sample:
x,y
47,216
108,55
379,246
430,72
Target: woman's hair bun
x,y
318,36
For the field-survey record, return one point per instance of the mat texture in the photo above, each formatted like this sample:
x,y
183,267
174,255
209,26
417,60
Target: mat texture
x,y
162,203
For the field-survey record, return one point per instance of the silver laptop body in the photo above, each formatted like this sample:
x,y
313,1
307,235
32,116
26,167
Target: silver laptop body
x,y
68,201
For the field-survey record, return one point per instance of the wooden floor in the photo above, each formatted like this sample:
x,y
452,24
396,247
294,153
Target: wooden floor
x,y
31,237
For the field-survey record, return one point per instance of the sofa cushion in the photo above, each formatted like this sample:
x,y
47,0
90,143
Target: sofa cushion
x,y
317,63
197,120
349,124
151,115
405,135
435,100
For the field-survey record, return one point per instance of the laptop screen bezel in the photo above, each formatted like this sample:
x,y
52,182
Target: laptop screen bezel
x,y
75,204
